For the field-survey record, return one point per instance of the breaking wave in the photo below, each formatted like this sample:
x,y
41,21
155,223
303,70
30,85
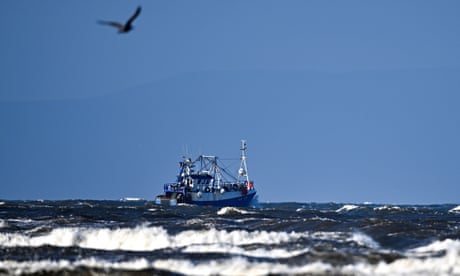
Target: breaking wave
x,y
455,209
232,211
435,264
145,238
388,208
347,208
121,237
142,238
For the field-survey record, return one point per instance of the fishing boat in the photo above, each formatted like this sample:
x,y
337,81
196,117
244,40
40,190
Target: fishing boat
x,y
207,181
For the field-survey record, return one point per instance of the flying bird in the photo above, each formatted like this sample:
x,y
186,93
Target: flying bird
x,y
123,28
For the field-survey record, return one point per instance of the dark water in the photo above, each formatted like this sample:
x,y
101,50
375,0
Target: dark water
x,y
138,237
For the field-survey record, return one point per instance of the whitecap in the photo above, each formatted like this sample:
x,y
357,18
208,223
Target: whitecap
x,y
132,199
3,223
240,266
142,238
448,264
87,204
232,211
249,219
335,236
274,253
424,260
235,237
387,208
194,221
363,240
445,265
322,219
447,245
43,266
455,209
138,238
234,266
347,208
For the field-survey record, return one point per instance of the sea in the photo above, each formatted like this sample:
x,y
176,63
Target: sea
x,y
138,237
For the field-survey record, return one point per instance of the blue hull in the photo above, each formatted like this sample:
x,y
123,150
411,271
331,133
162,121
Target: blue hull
x,y
242,201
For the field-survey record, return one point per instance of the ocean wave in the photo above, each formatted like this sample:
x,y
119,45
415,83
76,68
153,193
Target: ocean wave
x,y
232,211
445,265
128,199
388,208
240,266
448,264
64,237
347,208
145,238
234,266
448,246
322,219
274,253
363,240
47,266
142,238
455,209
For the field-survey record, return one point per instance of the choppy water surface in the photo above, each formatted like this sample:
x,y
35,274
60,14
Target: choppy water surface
x,y
136,237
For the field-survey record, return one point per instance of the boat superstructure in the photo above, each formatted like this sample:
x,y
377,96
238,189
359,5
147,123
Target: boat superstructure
x,y
206,181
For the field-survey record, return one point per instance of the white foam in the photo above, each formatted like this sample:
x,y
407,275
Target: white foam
x,y
32,267
275,253
236,237
234,266
239,266
455,210
447,245
3,223
321,219
24,221
139,238
232,210
142,238
429,264
446,264
148,238
347,208
132,199
363,240
387,208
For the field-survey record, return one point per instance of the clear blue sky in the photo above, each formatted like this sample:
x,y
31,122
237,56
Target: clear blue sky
x,y
344,101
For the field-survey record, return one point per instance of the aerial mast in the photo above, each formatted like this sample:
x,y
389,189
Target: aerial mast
x,y
243,171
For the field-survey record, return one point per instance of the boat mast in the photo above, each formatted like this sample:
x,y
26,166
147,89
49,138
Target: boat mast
x,y
243,171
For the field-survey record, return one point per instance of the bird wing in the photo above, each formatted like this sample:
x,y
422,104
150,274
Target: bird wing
x,y
111,23
136,14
